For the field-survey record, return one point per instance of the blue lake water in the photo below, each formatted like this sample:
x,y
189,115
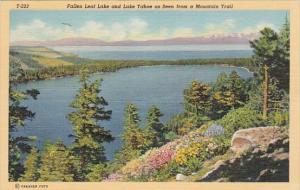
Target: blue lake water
x,y
176,52
162,55
145,86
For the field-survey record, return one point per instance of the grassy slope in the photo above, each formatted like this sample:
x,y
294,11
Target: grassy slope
x,y
42,56
39,51
50,62
25,61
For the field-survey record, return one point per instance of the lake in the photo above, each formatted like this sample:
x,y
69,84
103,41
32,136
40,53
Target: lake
x,y
145,86
174,52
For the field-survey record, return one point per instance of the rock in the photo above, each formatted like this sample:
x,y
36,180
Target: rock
x,y
259,136
194,173
286,141
263,156
241,144
266,163
281,156
233,160
213,174
274,141
223,179
263,175
181,177
256,151
219,163
280,150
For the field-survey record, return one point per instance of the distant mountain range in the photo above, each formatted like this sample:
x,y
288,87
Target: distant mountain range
x,y
207,40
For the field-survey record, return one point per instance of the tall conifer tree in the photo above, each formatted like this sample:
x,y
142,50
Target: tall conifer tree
x,y
31,166
89,135
134,140
18,114
154,128
272,56
57,163
197,98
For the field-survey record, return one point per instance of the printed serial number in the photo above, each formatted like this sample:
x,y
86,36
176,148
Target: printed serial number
x,y
22,6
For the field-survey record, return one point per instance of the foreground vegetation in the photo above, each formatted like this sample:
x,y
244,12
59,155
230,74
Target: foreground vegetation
x,y
158,151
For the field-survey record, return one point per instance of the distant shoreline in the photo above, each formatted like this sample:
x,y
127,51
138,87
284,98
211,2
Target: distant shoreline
x,y
47,64
117,65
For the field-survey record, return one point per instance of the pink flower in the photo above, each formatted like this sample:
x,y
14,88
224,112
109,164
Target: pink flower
x,y
160,157
114,177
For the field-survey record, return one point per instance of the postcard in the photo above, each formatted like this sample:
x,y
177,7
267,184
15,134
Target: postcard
x,y
150,95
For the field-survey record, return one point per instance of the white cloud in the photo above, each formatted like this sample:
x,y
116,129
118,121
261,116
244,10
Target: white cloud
x,y
184,32
220,28
92,29
133,29
39,30
137,27
161,33
258,27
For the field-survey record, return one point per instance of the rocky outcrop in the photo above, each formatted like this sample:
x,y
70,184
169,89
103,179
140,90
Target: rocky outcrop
x,y
259,136
266,158
214,173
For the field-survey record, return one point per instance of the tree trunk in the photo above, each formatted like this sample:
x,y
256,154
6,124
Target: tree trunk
x,y
265,101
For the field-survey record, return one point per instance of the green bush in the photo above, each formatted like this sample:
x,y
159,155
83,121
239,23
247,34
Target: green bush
x,y
97,172
192,165
241,118
174,123
170,136
279,118
182,124
167,172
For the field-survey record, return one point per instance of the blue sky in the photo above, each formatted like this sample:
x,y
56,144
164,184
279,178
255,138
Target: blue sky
x,y
138,25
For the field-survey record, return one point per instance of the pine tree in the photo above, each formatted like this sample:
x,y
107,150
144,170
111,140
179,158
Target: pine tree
x,y
229,93
18,145
237,87
18,114
272,56
31,166
97,172
134,140
281,71
223,100
88,134
222,81
265,58
197,98
57,163
154,128
133,135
